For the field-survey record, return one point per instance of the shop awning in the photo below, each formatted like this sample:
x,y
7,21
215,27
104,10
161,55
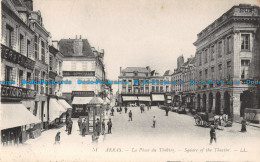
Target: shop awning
x,y
55,109
130,98
64,104
81,100
144,98
158,97
14,115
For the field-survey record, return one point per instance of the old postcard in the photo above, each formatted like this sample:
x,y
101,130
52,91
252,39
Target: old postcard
x,y
130,80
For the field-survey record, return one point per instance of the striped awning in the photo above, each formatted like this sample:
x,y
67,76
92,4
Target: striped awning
x,y
81,100
96,101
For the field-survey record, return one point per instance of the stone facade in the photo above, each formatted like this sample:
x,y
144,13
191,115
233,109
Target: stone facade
x,y
225,51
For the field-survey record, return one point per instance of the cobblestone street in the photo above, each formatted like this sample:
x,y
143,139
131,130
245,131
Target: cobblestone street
x,y
175,135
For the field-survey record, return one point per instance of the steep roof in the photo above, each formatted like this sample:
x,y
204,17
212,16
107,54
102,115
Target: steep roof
x,y
167,72
71,47
133,69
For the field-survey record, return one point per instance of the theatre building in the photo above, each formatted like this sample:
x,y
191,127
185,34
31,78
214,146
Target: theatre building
x,y
228,49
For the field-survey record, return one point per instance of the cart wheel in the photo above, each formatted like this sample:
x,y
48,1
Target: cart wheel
x,y
197,121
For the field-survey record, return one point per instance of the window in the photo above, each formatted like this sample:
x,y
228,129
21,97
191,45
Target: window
x,y
146,89
212,52
28,77
206,55
51,63
36,47
200,75
245,42
199,58
43,51
157,88
129,90
229,45
212,72
28,48
8,36
206,73
20,78
153,89
229,70
8,73
220,49
135,73
21,40
36,78
220,71
244,69
161,88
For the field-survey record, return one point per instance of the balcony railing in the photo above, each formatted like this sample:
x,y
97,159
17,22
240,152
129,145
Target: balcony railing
x,y
135,93
17,58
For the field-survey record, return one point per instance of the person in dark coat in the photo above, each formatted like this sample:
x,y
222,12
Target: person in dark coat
x,y
154,121
103,127
84,127
130,116
70,123
125,109
112,111
212,135
79,123
120,110
141,109
57,138
109,125
243,124
166,110
98,127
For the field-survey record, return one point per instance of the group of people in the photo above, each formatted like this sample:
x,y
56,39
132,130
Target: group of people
x,y
83,125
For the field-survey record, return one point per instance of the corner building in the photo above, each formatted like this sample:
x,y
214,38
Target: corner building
x,y
227,50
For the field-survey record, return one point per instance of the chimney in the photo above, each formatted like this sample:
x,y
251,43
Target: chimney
x,y
79,36
120,69
76,37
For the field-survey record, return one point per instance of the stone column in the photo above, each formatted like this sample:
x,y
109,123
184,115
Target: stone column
x,y
236,106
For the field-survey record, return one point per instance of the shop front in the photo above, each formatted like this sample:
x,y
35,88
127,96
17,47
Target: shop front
x,y
158,99
130,100
56,111
17,123
144,100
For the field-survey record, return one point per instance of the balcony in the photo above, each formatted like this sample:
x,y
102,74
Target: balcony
x,y
17,58
135,93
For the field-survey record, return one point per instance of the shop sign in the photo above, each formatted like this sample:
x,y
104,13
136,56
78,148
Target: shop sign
x,y
17,92
83,93
17,58
78,73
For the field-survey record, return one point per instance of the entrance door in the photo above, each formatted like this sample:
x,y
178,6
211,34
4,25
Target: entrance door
x,y
42,110
218,103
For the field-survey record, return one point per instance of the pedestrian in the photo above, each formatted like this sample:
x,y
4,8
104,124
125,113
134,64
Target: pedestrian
x,y
120,109
98,127
70,124
57,138
112,111
130,116
67,123
166,110
125,109
212,135
243,124
154,121
103,127
141,109
109,125
79,123
84,127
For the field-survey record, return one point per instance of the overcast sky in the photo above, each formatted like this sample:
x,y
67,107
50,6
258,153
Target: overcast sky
x,y
134,32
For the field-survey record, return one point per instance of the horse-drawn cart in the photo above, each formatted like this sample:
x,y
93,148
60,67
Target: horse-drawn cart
x,y
204,119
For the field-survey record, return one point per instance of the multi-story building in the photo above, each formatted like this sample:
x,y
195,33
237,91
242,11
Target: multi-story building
x,y
140,87
82,64
17,64
168,87
188,89
226,51
177,78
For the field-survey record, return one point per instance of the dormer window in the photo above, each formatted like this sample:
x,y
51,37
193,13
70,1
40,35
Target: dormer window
x,y
135,73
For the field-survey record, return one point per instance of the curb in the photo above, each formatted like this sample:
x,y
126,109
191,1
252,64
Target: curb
x,y
256,126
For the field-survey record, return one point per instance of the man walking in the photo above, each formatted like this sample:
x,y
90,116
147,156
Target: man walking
x,y
70,124
98,127
84,127
103,127
166,110
154,121
109,125
212,135
130,116
112,111
125,109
